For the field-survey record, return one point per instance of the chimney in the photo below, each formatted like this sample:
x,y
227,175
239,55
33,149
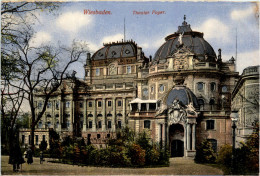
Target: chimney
x,y
88,58
150,58
139,53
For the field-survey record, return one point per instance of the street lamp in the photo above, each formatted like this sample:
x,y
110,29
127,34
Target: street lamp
x,y
234,118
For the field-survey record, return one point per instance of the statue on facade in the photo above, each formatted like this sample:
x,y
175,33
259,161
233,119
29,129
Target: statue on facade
x,y
176,112
180,38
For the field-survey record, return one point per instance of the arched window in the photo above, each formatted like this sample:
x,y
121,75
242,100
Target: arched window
x,y
212,86
67,104
57,115
99,115
109,115
152,89
212,102
49,124
40,124
48,115
90,115
200,86
119,115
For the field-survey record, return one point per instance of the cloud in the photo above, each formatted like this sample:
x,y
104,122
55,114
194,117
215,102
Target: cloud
x,y
144,45
245,59
40,38
113,38
73,21
214,29
242,13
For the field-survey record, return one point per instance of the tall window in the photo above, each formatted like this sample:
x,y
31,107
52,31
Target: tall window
x,y
90,124
43,137
49,105
109,103
81,104
99,103
40,125
119,123
39,105
98,136
23,139
210,124
212,86
67,104
161,88
99,124
147,124
90,104
36,139
57,105
128,69
119,103
97,71
201,103
87,73
109,124
200,86
152,89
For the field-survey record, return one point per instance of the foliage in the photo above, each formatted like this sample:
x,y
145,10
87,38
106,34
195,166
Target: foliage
x,y
54,144
137,155
205,153
246,157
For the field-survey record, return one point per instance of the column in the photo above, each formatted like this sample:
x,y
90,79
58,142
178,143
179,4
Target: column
x,y
94,123
193,136
104,114
147,106
60,114
124,112
71,115
185,138
84,115
114,115
188,136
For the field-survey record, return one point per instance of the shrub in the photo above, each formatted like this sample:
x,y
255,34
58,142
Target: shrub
x,y
205,153
43,145
137,155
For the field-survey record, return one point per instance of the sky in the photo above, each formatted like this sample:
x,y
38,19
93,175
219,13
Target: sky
x,y
219,22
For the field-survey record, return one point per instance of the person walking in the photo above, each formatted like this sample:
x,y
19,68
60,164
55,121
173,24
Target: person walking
x,y
41,157
16,157
29,156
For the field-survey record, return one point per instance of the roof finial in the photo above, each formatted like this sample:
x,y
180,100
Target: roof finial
x,y
184,17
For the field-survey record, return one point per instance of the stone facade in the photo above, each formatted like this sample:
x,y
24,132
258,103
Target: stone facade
x,y
180,97
245,100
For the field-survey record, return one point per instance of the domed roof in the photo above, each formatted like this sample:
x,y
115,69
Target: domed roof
x,y
183,94
116,50
193,40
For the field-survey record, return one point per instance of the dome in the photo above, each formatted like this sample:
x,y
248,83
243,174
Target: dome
x,y
193,40
183,94
116,50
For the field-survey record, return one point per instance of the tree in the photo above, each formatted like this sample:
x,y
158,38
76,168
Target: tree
x,y
43,67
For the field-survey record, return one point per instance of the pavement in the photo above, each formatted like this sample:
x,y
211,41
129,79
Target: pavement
x,y
178,166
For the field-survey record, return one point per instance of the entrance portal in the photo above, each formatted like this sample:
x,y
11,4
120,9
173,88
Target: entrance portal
x,y
176,140
177,148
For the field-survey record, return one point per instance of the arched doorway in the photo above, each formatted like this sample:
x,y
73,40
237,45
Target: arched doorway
x,y
176,140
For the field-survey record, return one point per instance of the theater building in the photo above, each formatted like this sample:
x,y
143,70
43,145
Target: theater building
x,y
180,97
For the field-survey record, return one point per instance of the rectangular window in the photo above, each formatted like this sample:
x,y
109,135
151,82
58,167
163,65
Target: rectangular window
x,y
109,103
200,86
49,105
67,104
99,103
23,139
97,71
81,104
108,135
210,124
128,69
57,105
147,124
109,124
90,124
119,124
98,136
39,105
87,73
119,103
36,139
99,124
43,137
90,104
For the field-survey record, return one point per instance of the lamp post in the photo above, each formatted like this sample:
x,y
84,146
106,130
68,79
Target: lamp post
x,y
234,117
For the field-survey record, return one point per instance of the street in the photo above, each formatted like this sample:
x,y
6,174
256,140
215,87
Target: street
x,y
178,166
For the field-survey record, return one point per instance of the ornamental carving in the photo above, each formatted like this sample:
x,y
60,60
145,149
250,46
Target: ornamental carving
x,y
177,113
